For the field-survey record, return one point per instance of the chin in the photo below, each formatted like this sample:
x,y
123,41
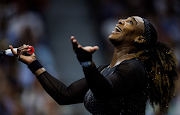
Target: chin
x,y
111,37
114,38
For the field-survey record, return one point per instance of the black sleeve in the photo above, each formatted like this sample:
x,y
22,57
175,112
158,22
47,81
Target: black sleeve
x,y
62,94
129,76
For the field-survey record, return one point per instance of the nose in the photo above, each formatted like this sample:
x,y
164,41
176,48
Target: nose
x,y
121,22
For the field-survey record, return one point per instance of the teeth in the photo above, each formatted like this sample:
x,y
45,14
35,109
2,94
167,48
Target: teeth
x,y
118,29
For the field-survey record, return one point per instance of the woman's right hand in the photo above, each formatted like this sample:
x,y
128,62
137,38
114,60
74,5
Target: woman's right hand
x,y
20,54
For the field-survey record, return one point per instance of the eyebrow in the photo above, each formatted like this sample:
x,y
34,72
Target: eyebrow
x,y
134,20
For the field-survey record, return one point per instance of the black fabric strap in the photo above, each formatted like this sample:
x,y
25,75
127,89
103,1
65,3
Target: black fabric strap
x,y
34,66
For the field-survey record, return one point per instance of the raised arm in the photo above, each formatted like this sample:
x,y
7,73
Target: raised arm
x,y
61,93
128,77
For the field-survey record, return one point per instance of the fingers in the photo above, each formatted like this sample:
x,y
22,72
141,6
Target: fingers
x,y
22,47
90,49
22,52
75,44
13,51
95,48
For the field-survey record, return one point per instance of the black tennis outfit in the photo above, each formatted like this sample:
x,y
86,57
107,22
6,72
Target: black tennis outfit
x,y
121,90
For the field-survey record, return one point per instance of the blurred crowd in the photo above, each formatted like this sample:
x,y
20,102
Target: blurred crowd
x,y
23,22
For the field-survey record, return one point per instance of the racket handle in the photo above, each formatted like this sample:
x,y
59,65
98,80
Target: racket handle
x,y
8,52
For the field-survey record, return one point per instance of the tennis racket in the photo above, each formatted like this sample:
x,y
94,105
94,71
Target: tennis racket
x,y
8,52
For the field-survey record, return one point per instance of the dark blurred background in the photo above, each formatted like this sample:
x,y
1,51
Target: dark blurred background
x,y
47,25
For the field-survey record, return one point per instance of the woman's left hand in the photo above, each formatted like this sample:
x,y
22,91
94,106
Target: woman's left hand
x,y
84,54
76,46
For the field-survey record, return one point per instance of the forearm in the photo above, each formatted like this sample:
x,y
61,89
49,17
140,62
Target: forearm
x,y
61,93
96,82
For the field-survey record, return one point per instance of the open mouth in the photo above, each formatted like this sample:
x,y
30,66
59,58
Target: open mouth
x,y
118,29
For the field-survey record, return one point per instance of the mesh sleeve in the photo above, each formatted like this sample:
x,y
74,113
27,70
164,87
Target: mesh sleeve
x,y
62,94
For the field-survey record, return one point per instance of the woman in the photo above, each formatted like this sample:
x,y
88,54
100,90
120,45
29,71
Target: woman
x,y
141,68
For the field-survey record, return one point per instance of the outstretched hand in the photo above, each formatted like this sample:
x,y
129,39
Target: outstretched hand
x,y
84,54
76,46
20,54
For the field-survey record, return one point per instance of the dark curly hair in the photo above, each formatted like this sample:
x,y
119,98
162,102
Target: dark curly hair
x,y
160,64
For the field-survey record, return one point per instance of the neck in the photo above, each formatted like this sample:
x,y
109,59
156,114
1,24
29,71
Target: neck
x,y
121,54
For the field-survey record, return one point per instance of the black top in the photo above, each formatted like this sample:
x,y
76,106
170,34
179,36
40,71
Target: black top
x,y
104,91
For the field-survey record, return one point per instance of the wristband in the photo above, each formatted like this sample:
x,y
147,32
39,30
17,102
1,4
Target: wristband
x,y
34,66
86,64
